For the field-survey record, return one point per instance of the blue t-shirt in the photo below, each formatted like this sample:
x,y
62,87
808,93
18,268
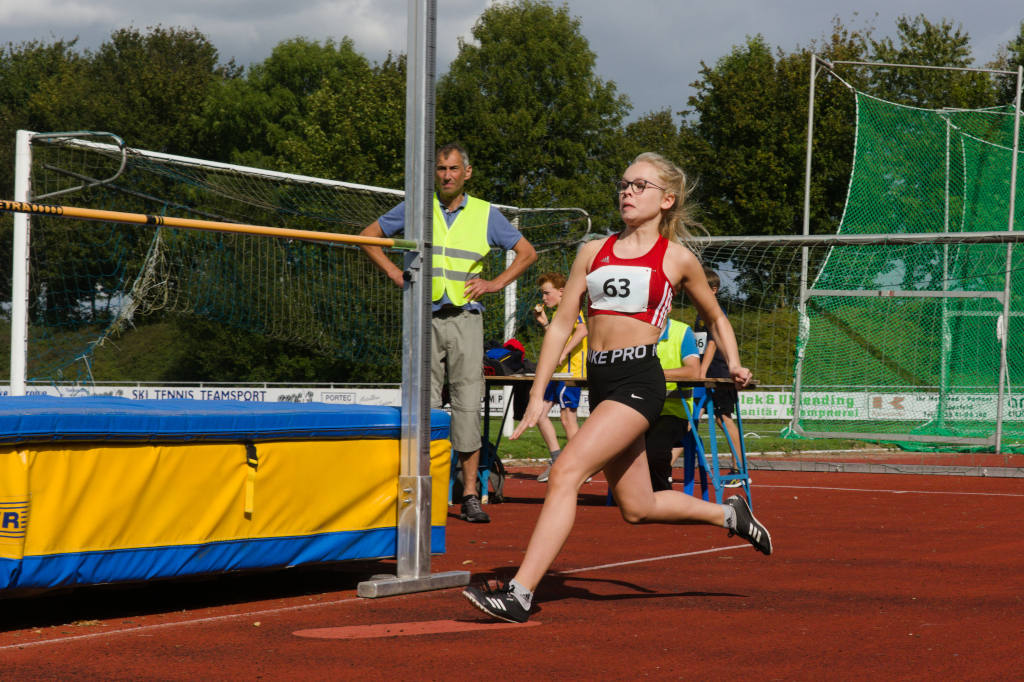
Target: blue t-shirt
x,y
719,368
500,234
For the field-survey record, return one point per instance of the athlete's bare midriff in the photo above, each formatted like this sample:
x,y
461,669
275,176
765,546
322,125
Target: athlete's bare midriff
x,y
608,332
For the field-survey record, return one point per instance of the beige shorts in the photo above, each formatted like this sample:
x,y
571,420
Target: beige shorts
x,y
459,340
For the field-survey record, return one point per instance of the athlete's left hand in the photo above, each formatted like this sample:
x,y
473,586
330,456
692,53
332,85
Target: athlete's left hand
x,y
742,376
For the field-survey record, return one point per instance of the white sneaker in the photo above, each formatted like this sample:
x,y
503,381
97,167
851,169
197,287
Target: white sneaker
x,y
543,478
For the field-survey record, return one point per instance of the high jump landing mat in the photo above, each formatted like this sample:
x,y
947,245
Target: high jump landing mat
x,y
107,489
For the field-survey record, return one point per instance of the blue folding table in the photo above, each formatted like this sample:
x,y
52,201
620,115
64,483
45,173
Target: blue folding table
x,y
694,449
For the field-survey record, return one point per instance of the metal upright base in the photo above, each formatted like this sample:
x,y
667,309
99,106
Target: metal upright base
x,y
390,585
413,547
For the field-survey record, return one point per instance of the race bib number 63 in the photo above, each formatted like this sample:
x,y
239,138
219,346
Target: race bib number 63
x,y
622,288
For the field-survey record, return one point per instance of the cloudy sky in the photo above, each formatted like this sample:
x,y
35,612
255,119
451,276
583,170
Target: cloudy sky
x,y
652,50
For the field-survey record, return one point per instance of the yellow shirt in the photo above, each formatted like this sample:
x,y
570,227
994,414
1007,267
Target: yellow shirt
x,y
576,362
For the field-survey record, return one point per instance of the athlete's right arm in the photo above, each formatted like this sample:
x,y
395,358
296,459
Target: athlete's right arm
x,y
378,256
557,334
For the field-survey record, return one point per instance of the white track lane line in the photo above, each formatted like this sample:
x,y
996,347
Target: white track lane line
x,y
894,492
284,609
193,621
650,559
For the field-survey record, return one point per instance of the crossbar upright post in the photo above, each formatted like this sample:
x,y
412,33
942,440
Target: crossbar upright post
x,y
20,266
414,482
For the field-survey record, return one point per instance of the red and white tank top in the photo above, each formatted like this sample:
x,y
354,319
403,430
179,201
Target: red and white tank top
x,y
634,287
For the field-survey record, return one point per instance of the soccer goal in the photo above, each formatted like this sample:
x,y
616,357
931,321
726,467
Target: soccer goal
x,y
87,280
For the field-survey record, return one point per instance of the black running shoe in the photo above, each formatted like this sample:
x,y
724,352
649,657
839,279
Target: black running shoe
x,y
499,603
748,527
471,510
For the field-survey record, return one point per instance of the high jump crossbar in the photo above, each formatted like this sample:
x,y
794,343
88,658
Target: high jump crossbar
x,y
196,224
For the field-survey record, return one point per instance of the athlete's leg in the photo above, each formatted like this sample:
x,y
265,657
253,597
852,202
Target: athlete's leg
x,y
611,429
547,429
630,481
570,422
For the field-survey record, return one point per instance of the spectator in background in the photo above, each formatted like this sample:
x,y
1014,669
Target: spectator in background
x,y
465,229
713,364
571,362
677,352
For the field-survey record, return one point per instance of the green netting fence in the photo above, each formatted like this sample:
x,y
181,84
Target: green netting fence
x,y
912,334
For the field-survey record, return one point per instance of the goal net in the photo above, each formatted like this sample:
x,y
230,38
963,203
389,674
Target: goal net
x,y
91,280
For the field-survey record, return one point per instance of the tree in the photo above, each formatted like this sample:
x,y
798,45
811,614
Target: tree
x,y
355,130
312,108
24,70
929,44
539,125
744,144
1009,57
141,86
655,131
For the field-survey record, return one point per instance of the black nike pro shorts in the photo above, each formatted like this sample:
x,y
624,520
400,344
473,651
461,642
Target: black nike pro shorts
x,y
631,376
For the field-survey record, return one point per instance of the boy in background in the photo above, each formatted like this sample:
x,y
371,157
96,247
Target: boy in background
x,y
572,362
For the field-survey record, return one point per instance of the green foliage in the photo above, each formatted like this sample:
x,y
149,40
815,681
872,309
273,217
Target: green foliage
x,y
930,44
24,69
316,109
1009,58
656,131
142,86
539,125
746,140
194,349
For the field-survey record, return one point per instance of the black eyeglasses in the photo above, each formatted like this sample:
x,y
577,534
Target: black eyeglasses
x,y
638,186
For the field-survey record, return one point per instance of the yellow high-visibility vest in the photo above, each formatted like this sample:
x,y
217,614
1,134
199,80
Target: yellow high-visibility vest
x,y
459,250
669,353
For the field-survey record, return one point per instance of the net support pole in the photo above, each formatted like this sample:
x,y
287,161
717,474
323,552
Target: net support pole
x,y
20,265
1008,285
946,340
508,425
414,480
794,423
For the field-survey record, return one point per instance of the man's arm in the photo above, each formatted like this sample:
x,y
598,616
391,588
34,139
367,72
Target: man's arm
x,y
525,257
378,256
689,370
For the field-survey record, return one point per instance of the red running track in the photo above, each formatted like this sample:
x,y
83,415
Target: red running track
x,y
874,577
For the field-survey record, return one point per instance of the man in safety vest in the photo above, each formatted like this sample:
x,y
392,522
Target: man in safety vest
x,y
465,229
677,351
